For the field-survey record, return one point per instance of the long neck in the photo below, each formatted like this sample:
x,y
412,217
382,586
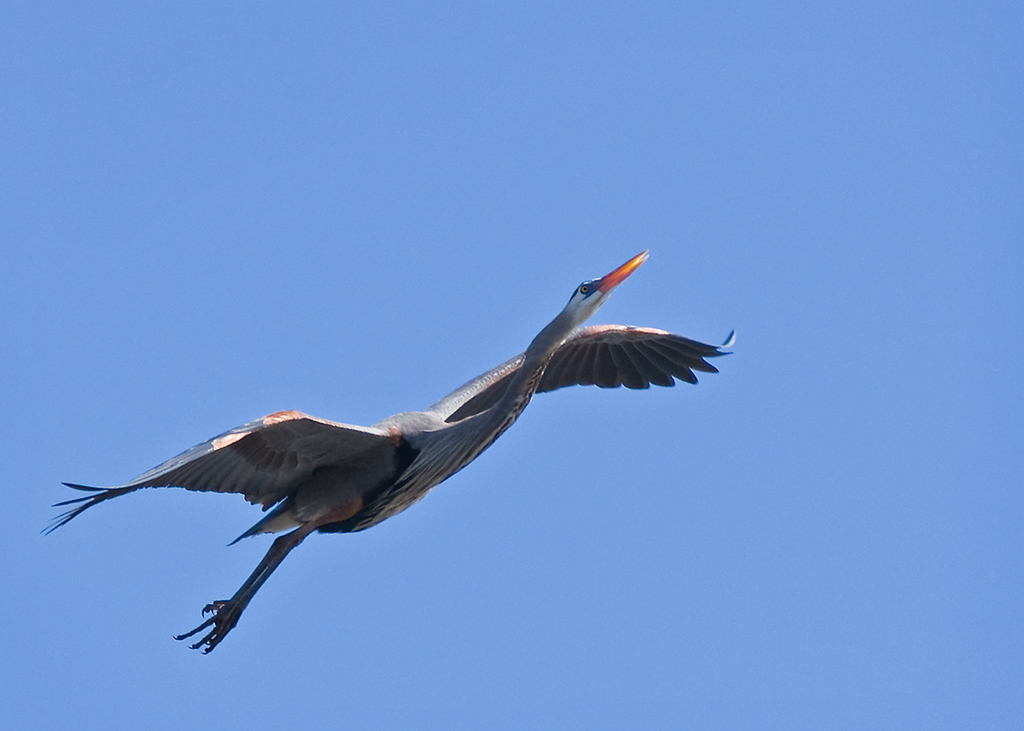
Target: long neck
x,y
527,378
549,339
463,441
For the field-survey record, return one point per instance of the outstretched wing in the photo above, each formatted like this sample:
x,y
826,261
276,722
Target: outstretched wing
x,y
263,460
607,356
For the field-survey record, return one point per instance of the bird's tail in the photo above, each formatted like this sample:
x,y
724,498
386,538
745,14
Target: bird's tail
x,y
280,518
101,494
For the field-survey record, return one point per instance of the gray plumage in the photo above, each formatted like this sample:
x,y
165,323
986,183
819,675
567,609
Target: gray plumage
x,y
320,475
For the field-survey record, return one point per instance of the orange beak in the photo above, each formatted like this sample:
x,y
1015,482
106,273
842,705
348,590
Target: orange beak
x,y
615,278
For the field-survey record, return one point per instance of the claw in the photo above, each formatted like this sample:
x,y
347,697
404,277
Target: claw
x,y
224,617
203,626
213,607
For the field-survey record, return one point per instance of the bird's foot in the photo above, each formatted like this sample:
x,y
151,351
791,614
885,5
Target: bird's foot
x,y
224,616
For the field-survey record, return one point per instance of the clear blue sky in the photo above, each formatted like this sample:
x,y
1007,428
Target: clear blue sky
x,y
215,211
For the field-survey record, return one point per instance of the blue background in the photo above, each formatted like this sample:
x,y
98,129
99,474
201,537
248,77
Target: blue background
x,y
213,211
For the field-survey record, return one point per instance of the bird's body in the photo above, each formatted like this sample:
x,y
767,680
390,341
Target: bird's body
x,y
320,475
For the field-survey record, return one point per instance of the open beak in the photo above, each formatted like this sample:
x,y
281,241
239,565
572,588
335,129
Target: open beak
x,y
615,278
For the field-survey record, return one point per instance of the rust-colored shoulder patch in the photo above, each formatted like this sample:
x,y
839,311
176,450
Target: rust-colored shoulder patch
x,y
278,416
228,439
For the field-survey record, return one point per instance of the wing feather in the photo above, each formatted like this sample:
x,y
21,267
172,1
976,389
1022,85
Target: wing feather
x,y
584,369
640,356
604,355
265,459
658,362
648,369
627,371
606,371
678,365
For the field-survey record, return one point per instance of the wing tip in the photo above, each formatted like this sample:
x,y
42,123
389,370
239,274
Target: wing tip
x,y
85,488
102,493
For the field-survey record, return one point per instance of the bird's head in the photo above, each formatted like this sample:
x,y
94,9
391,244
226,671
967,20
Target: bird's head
x,y
591,294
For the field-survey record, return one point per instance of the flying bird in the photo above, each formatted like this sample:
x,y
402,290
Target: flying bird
x,y
320,475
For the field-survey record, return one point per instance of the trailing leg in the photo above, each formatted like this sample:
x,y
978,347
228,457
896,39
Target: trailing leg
x,y
225,614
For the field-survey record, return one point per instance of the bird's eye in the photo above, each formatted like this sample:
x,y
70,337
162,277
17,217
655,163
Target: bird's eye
x,y
584,289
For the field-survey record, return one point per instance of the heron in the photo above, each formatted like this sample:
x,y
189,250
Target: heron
x,y
312,474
